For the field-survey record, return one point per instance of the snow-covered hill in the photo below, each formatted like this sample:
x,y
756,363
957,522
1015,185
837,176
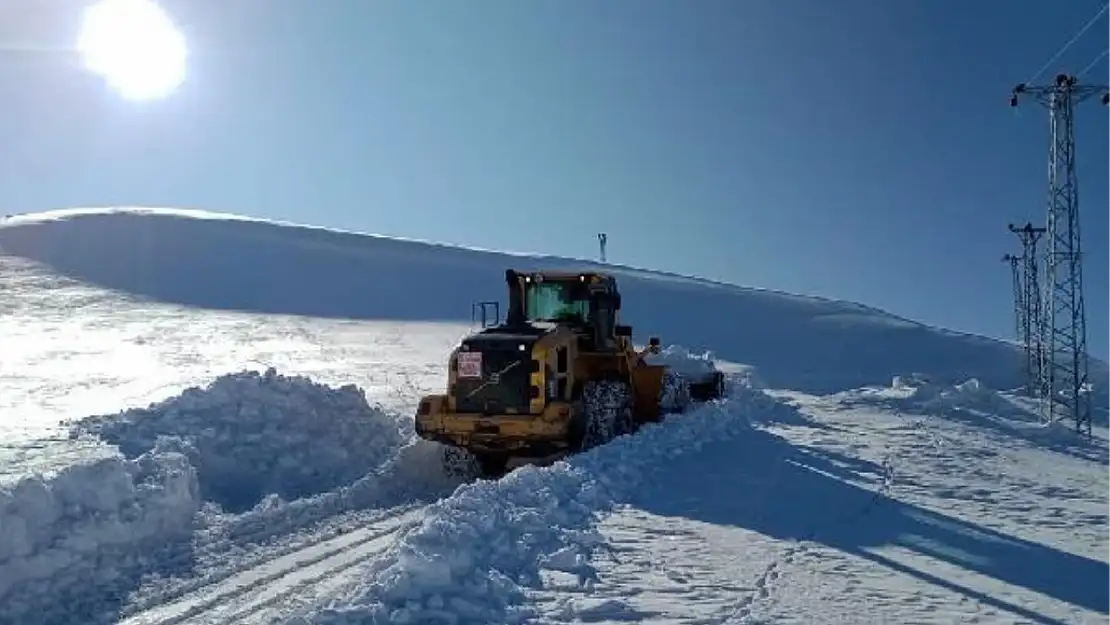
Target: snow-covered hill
x,y
836,484
230,263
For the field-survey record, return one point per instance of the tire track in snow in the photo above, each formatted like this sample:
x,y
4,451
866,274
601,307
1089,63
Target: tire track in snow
x,y
245,595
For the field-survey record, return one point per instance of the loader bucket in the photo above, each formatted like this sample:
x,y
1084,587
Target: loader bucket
x,y
647,382
709,389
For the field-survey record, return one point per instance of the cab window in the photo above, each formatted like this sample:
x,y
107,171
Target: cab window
x,y
552,301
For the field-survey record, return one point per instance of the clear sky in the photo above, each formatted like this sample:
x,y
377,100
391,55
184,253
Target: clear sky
x,y
856,149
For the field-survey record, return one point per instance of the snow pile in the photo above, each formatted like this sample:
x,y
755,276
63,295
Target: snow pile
x,y
693,365
911,382
919,393
478,552
250,435
74,542
916,388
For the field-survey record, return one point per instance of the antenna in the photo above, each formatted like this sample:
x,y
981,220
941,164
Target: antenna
x,y
1064,383
602,239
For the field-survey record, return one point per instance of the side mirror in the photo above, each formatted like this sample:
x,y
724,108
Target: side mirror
x,y
653,345
623,330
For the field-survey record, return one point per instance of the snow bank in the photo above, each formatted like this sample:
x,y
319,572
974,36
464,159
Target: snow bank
x,y
478,552
693,365
75,541
250,435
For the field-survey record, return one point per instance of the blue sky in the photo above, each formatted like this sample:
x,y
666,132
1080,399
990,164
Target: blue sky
x,y
855,149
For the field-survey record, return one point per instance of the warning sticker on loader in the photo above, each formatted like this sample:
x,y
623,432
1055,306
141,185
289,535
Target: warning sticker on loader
x,y
470,364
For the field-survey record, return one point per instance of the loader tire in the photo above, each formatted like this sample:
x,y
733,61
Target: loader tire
x,y
493,466
674,396
604,413
460,463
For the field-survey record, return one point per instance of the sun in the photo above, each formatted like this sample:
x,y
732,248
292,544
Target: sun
x,y
135,46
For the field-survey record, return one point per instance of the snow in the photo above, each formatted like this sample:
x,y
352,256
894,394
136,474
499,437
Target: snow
x,y
96,524
833,486
684,362
250,435
850,513
796,342
478,552
245,442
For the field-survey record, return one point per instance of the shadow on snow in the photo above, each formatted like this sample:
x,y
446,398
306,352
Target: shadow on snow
x,y
765,484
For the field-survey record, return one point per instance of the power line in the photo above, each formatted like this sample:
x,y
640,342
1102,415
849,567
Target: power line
x,y
1101,56
1069,44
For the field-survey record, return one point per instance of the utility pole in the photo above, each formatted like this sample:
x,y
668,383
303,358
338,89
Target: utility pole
x,y
1032,306
1064,366
602,239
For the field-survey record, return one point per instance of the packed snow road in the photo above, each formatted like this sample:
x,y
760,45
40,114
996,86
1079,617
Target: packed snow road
x,y
284,584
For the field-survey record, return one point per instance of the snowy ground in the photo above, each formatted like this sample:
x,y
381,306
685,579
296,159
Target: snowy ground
x,y
172,514
839,511
904,504
71,351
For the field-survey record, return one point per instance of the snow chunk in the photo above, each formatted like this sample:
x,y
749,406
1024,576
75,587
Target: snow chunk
x,y
479,552
693,365
74,542
250,435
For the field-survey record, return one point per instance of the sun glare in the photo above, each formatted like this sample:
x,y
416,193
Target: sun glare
x,y
135,46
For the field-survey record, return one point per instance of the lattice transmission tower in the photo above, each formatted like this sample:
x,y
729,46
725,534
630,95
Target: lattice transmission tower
x,y
1064,383
1019,305
1031,306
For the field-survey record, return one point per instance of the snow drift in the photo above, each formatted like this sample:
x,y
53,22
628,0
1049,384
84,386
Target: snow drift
x,y
919,393
72,543
1006,415
250,435
479,552
220,262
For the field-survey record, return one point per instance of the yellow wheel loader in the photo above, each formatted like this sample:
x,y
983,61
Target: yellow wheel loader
x,y
560,375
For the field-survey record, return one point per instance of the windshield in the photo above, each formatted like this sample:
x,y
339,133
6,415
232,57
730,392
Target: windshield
x,y
552,301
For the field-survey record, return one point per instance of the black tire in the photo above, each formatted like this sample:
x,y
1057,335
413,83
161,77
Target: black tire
x,y
493,466
459,463
603,413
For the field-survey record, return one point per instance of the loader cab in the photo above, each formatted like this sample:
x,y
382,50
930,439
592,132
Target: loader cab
x,y
584,301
